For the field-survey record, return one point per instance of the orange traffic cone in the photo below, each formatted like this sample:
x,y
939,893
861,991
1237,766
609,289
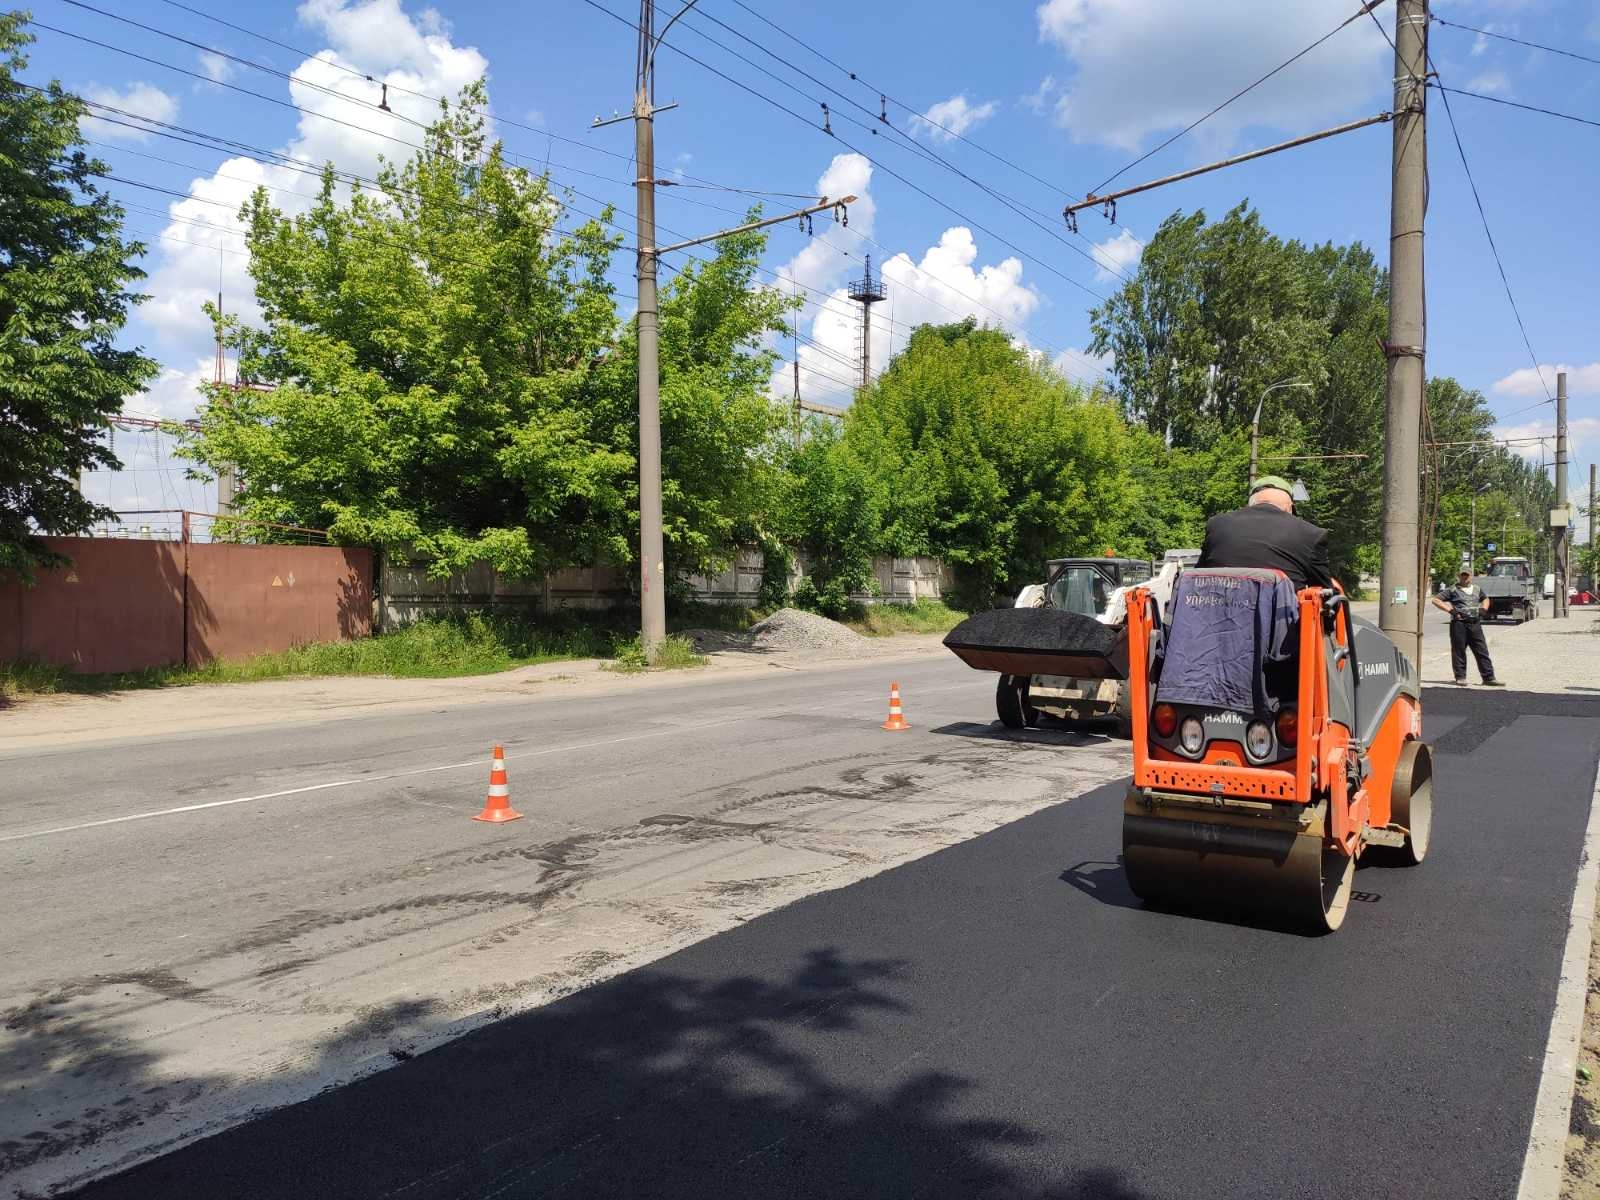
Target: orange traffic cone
x,y
497,807
897,719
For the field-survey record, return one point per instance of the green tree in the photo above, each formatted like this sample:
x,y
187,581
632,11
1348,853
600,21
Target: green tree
x,y
1217,313
721,434
425,352
442,364
1514,494
64,278
833,510
983,455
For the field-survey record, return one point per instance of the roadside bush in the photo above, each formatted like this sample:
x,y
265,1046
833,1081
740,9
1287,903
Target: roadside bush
x,y
675,651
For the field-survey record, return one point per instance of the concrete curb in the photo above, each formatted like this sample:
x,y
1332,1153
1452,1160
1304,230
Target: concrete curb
x,y
1552,1111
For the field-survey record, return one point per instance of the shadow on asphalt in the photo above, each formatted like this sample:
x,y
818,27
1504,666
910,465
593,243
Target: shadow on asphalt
x,y
654,1084
1107,883
1103,881
1049,733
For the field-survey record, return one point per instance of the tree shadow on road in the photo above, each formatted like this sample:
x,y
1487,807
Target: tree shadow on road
x,y
654,1084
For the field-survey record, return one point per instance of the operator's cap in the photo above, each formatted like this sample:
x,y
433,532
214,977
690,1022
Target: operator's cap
x,y
1272,481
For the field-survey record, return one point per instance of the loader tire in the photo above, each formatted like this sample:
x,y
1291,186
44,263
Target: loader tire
x,y
1123,712
1011,702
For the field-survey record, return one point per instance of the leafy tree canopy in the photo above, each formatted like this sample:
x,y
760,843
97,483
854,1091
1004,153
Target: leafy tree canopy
x,y
981,454
64,278
442,363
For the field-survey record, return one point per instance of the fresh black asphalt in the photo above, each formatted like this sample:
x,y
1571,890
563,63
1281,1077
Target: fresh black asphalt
x,y
1004,1019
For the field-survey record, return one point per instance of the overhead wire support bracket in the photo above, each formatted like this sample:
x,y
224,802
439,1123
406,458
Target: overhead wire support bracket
x,y
1109,201
799,214
617,118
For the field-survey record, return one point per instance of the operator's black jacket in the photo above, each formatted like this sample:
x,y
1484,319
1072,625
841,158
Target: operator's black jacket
x,y
1262,536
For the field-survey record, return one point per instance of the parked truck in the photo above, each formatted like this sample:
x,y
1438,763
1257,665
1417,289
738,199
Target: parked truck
x,y
1511,588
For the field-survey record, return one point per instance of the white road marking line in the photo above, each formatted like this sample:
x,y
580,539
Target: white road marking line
x,y
318,787
1552,1111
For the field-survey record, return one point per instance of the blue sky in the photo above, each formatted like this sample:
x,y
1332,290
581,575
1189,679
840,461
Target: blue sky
x,y
1069,90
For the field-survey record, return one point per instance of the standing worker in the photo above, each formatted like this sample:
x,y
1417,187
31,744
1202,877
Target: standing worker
x,y
1466,605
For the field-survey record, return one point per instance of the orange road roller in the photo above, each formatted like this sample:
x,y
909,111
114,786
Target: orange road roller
x,y
1274,742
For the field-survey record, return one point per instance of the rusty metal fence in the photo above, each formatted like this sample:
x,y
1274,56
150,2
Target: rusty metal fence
x,y
126,605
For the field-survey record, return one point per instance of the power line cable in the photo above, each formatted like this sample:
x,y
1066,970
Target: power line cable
x,y
483,112
334,93
1483,217
1533,108
1506,37
281,159
911,109
1489,235
1242,92
286,160
1043,221
890,171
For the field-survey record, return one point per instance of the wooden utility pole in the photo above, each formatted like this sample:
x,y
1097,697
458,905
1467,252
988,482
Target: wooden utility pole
x,y
1401,603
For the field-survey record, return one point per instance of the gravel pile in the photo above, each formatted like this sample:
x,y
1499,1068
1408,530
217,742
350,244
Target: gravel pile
x,y
787,631
792,629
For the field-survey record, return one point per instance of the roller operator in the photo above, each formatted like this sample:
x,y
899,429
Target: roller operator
x,y
1266,533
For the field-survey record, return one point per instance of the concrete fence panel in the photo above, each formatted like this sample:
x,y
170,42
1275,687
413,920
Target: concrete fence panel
x,y
407,592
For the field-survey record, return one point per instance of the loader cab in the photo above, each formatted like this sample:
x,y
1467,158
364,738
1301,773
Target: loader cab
x,y
1084,585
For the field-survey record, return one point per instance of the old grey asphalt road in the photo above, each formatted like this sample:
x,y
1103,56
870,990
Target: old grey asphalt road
x,y
1002,1018
201,928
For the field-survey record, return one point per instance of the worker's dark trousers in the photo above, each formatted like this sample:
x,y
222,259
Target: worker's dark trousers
x,y
1462,635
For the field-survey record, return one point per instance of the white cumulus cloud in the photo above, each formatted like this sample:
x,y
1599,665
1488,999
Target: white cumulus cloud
x,y
373,37
1581,432
1115,255
138,100
951,118
1143,67
1039,98
175,394
1493,82
946,284
1581,380
1078,363
215,66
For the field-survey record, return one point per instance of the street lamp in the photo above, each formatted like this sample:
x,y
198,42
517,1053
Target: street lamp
x,y
1255,423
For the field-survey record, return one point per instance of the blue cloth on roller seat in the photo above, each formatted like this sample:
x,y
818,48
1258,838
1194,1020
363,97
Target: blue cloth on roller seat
x,y
1226,624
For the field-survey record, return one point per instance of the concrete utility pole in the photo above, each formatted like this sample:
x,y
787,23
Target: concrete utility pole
x,y
652,568
1401,605
1558,532
652,564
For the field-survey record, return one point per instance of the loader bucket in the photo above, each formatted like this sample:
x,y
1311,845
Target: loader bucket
x,y
1040,641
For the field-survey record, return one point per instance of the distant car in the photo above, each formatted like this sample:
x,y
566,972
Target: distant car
x,y
1549,587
